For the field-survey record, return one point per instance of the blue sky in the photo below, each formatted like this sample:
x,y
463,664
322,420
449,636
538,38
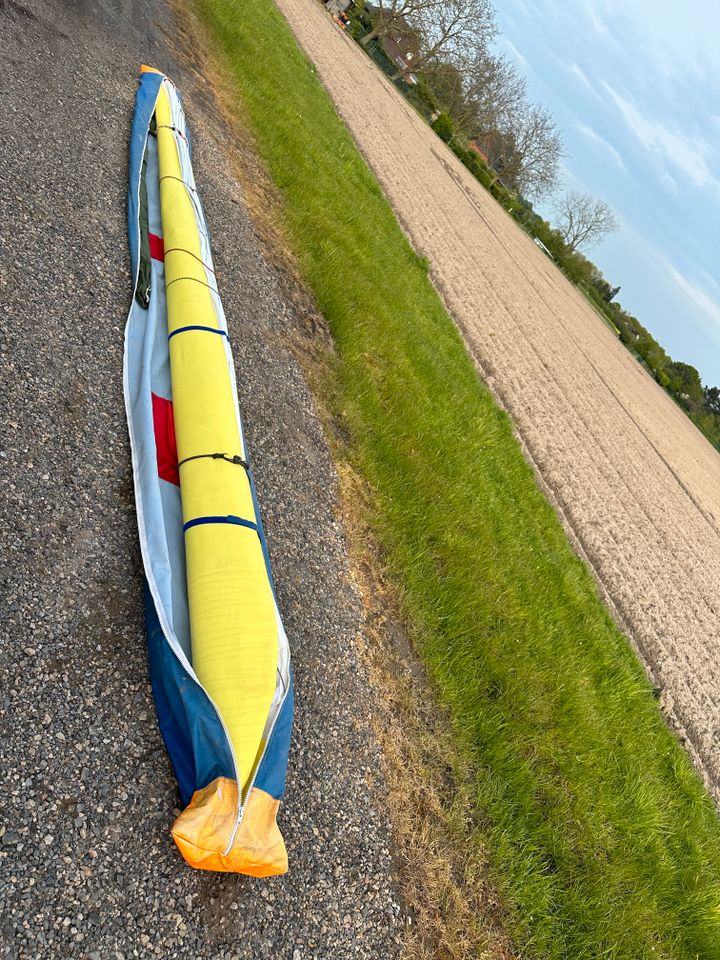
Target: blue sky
x,y
635,86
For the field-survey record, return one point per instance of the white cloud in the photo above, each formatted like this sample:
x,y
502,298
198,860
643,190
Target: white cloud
x,y
697,296
598,24
524,9
687,155
711,283
579,74
504,42
595,137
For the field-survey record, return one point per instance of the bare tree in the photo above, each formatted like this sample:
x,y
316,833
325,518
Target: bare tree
x,y
483,93
447,83
583,220
435,26
532,149
495,89
477,89
393,17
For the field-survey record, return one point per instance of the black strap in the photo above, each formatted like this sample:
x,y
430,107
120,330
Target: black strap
x,y
189,253
169,126
169,176
194,279
217,456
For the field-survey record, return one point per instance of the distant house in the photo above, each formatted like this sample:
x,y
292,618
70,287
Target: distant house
x,y
474,145
402,46
336,7
493,147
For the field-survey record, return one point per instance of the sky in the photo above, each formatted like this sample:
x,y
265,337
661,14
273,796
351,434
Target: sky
x,y
635,87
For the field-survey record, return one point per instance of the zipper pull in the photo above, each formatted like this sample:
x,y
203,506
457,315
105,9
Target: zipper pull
x,y
238,821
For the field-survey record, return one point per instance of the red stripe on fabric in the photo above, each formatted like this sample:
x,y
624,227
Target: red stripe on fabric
x,y
165,444
157,247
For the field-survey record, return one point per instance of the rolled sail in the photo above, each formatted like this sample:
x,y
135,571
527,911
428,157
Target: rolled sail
x,y
233,628
214,616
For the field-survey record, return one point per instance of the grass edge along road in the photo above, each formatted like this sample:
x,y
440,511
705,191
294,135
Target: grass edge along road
x,y
601,839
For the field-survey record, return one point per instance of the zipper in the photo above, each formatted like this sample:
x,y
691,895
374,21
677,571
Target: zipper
x,y
243,801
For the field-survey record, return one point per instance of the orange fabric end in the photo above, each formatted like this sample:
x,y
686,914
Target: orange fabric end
x,y
145,69
204,828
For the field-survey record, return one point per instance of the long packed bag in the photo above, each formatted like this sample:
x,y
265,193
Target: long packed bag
x,y
219,657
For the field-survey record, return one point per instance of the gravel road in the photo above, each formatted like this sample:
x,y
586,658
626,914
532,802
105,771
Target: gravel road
x,y
87,866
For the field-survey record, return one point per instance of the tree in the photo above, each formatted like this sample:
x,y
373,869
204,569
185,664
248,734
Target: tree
x,y
478,89
443,127
394,16
447,84
531,147
685,381
483,93
496,91
605,289
459,26
712,400
584,220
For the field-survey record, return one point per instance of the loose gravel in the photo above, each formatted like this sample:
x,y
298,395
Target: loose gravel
x,y
87,866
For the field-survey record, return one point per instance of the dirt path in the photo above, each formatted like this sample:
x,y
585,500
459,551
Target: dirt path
x,y
636,484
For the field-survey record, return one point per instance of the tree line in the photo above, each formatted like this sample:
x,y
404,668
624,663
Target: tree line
x,y
479,103
451,46
479,99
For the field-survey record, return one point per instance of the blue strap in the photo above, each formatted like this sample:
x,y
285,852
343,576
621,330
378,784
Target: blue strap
x,y
237,521
206,329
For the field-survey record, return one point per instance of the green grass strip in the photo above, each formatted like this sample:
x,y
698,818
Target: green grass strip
x,y
602,840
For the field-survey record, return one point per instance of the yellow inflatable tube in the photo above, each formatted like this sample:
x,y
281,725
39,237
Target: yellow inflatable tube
x,y
233,626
